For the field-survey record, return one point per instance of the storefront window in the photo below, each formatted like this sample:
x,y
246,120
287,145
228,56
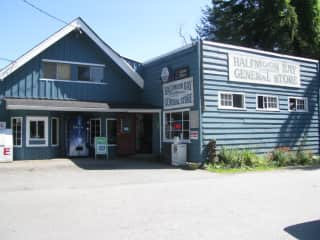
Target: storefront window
x,y
112,131
177,125
16,125
54,131
37,131
95,129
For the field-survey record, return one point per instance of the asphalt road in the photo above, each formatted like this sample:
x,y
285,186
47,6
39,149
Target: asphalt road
x,y
63,200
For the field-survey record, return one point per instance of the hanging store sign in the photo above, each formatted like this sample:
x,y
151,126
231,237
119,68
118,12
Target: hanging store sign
x,y
178,94
250,68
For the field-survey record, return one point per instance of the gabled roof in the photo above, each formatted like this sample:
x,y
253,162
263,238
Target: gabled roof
x,y
75,24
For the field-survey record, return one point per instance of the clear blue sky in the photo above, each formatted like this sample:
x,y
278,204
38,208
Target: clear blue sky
x,y
139,29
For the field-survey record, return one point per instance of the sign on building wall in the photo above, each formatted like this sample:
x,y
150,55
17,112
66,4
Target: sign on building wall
x,y
251,68
3,125
178,94
194,135
6,145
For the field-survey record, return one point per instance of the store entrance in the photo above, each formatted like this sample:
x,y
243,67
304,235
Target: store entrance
x,y
134,133
144,133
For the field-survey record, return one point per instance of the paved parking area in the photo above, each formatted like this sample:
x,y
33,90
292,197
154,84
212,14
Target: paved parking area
x,y
122,199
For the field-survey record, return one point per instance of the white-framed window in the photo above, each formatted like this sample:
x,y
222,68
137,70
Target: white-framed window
x,y
37,131
90,73
267,103
297,104
54,131
16,126
62,70
111,131
59,71
230,100
176,124
95,129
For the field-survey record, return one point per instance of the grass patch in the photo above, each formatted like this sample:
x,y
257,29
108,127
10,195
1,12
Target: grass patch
x,y
230,160
217,169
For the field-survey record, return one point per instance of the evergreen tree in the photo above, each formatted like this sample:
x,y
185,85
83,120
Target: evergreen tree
x,y
286,26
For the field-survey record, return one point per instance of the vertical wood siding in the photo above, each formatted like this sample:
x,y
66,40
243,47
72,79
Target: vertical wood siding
x,y
257,130
26,82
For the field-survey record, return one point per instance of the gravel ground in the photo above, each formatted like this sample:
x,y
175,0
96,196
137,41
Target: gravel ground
x,y
62,199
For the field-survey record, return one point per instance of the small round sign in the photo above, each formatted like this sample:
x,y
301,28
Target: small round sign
x,y
165,74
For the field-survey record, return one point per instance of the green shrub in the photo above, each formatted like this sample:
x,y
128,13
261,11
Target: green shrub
x,y
249,158
281,157
234,158
304,158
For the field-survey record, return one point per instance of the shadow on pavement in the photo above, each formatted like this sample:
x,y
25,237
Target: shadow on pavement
x,y
132,162
305,231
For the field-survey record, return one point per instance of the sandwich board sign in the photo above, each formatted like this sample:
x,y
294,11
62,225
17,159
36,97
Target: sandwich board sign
x,y
100,146
6,145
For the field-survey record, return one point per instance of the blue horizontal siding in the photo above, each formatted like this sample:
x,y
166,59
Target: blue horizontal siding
x,y
260,131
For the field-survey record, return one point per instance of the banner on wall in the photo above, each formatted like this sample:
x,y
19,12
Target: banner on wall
x,y
249,68
178,94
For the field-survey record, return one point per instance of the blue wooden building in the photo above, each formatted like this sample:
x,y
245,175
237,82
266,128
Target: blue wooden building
x,y
73,87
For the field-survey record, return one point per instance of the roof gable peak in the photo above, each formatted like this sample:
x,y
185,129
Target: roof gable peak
x,y
79,24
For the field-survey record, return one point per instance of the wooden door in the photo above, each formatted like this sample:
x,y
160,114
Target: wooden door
x,y
126,134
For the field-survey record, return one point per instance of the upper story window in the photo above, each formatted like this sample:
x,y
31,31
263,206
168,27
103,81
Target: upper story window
x,y
84,73
296,104
181,73
59,71
267,103
90,73
231,100
65,70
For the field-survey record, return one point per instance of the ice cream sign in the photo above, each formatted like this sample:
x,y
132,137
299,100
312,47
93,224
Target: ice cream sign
x,y
178,94
251,68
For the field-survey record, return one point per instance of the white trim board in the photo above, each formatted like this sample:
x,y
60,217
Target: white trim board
x,y
81,109
72,81
76,24
73,62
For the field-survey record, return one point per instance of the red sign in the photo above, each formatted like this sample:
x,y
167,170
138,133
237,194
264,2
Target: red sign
x,y
194,135
6,151
177,126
